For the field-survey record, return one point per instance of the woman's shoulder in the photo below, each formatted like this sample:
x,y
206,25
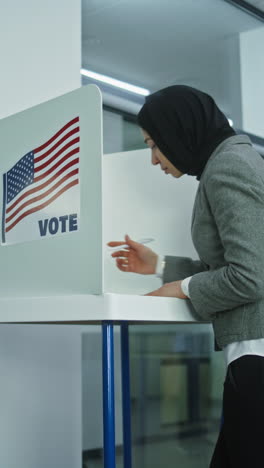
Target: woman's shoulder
x,y
236,171
236,160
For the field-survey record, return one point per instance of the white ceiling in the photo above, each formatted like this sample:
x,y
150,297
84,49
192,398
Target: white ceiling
x,y
156,43
153,42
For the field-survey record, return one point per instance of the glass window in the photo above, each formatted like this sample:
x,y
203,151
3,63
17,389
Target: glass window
x,y
176,392
176,396
120,132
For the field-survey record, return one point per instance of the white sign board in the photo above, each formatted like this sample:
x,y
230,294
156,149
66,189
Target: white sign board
x,y
40,185
51,200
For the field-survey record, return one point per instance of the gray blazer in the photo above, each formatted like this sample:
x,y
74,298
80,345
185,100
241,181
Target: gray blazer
x,y
227,286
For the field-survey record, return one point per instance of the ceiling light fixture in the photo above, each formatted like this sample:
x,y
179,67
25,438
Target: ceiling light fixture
x,y
113,82
252,7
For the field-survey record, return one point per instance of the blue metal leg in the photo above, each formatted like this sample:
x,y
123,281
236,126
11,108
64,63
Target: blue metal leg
x,y
126,395
108,395
142,410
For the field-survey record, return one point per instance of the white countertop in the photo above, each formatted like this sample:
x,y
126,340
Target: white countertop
x,y
94,309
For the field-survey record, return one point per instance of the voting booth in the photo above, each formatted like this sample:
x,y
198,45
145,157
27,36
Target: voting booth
x,y
61,203
51,163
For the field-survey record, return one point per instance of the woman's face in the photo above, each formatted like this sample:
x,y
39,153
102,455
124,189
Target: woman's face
x,y
157,157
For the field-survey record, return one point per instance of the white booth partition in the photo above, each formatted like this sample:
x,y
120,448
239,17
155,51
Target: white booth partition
x,y
140,200
61,205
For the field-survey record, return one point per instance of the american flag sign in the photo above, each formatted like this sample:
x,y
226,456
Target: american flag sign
x,y
41,176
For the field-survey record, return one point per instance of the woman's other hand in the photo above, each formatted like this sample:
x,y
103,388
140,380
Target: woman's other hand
x,y
169,290
136,258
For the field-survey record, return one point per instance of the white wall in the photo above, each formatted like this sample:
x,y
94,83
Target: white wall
x,y
40,366
252,81
233,80
217,72
40,50
91,389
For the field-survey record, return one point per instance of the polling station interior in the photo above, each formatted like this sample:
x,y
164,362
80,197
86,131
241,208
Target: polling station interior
x,y
50,343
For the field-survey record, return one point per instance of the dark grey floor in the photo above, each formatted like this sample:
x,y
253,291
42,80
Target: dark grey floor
x,y
192,452
187,444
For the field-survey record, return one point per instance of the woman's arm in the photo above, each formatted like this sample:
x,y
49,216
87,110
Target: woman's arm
x,y
178,268
235,193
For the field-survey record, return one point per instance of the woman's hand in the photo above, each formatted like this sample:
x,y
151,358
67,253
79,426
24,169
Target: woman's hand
x,y
169,290
136,259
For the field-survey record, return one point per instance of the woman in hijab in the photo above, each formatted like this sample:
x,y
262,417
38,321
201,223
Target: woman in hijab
x,y
188,134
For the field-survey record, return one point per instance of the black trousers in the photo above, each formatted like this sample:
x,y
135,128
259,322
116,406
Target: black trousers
x,y
241,440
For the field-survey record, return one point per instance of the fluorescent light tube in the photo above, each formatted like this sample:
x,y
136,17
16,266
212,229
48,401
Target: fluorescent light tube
x,y
113,82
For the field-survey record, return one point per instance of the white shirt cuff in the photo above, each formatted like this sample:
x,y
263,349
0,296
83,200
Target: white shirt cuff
x,y
160,266
185,286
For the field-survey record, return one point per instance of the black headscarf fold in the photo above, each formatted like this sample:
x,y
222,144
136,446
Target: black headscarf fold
x,y
186,125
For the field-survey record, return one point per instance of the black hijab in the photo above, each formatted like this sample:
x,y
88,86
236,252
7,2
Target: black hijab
x,y
186,125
